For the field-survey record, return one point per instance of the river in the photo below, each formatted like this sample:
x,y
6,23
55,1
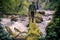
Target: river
x,y
21,25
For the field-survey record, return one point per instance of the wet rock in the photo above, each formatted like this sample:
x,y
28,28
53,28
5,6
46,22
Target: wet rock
x,y
20,39
14,18
38,18
27,25
23,19
19,26
42,12
49,19
0,20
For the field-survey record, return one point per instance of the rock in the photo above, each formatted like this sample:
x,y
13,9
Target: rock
x,y
38,18
42,12
20,39
14,18
19,26
0,20
27,25
49,19
23,19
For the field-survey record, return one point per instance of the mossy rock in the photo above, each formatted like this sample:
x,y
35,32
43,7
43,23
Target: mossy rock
x,y
38,18
42,12
14,18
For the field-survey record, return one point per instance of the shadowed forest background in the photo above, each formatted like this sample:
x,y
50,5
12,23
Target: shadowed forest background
x,y
46,24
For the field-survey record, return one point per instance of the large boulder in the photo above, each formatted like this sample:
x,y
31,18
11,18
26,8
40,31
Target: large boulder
x,y
38,18
42,12
17,28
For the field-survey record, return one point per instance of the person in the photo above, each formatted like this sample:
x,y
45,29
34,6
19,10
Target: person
x,y
32,10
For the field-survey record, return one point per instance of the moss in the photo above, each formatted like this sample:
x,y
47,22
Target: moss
x,y
38,18
33,31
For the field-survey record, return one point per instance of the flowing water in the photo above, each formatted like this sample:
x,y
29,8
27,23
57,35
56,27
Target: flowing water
x,y
21,25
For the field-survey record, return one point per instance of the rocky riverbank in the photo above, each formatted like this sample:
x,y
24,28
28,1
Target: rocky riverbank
x,y
22,22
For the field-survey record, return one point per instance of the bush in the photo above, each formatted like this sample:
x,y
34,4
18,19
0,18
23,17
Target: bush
x,y
53,29
51,6
4,35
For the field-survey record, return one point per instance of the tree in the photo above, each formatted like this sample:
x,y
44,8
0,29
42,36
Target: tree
x,y
51,5
53,29
11,6
15,6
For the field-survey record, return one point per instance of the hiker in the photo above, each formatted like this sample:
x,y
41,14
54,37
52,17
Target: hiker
x,y
32,10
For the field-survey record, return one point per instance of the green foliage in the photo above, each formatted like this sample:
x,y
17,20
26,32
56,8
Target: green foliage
x,y
15,6
24,10
4,35
51,5
53,29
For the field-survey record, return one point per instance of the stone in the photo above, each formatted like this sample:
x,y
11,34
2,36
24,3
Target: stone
x,y
38,18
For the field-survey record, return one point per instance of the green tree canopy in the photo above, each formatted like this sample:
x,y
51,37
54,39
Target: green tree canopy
x,y
15,6
53,29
